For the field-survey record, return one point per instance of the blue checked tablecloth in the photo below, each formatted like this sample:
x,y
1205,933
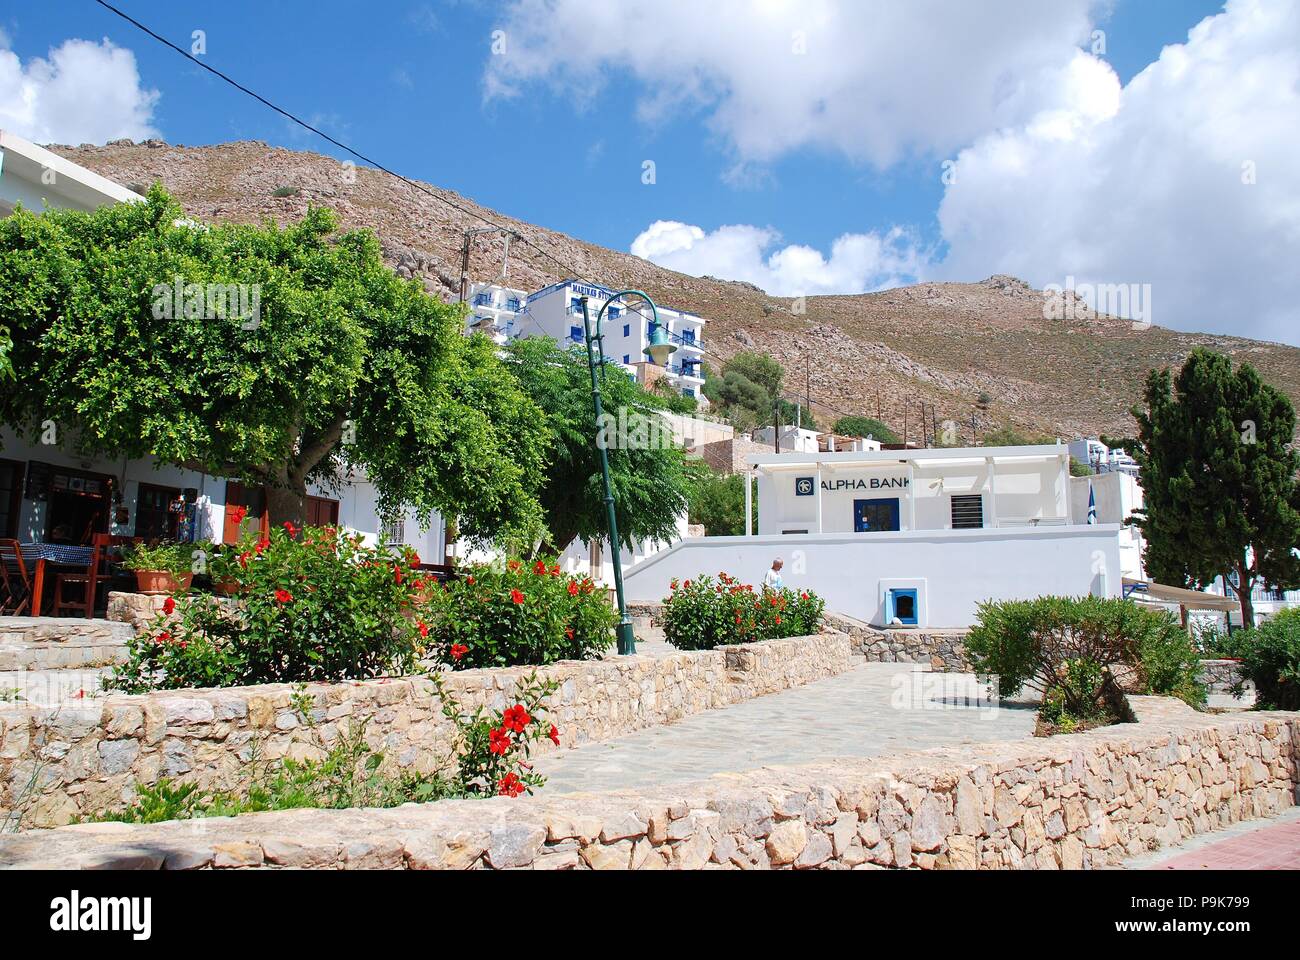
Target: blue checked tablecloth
x,y
57,553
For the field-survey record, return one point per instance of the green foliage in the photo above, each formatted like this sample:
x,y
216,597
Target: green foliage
x,y
175,558
1034,642
489,758
858,426
748,389
673,400
718,502
702,613
340,364
1079,469
650,480
1008,436
323,608
285,192
1270,656
1219,476
517,613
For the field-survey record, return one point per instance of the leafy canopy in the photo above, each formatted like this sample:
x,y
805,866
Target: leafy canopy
x,y
341,365
858,426
650,480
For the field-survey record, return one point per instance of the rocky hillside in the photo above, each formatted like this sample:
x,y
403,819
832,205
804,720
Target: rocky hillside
x,y
939,343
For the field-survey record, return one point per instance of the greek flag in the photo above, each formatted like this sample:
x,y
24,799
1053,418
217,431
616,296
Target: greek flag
x,y
1092,505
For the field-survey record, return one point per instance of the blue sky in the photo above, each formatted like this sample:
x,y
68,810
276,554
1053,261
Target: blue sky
x,y
416,86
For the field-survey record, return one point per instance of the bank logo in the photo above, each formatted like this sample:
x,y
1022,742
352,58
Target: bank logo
x,y
804,486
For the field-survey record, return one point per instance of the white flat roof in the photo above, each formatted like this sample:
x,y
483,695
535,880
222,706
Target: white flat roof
x,y
930,456
26,161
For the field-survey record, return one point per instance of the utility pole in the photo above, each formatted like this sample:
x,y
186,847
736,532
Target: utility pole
x,y
905,412
776,430
464,255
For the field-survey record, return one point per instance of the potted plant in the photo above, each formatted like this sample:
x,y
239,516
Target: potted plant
x,y
162,568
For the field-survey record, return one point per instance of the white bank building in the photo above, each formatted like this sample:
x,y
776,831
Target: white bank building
x,y
914,538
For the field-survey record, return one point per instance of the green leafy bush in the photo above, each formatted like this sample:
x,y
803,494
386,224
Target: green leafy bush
x,y
517,613
1270,658
175,558
1072,650
704,613
320,608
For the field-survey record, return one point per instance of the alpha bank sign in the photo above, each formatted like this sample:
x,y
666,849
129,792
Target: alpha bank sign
x,y
805,486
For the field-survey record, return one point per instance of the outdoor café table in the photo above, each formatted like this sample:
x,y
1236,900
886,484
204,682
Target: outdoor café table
x,y
58,554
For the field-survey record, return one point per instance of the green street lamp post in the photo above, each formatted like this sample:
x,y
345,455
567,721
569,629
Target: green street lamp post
x,y
658,352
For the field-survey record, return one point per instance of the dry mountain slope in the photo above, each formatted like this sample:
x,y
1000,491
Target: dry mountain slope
x,y
941,343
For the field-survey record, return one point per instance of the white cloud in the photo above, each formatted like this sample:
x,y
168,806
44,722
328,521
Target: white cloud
x,y
1144,185
858,262
879,80
85,92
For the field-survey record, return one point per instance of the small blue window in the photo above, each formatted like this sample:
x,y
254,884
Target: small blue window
x,y
513,304
688,336
575,305
627,358
901,605
482,299
575,334
615,313
688,391
627,329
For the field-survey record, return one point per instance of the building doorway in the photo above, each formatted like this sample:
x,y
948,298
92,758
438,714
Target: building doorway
x,y
79,505
873,516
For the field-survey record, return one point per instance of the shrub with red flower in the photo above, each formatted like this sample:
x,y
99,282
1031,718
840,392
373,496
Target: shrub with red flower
x,y
701,614
518,614
320,607
492,748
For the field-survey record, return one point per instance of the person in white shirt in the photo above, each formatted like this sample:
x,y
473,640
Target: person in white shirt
x,y
772,579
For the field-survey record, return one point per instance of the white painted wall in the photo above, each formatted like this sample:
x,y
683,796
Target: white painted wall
x,y
960,568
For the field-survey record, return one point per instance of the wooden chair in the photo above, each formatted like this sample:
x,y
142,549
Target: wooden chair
x,y
15,581
87,581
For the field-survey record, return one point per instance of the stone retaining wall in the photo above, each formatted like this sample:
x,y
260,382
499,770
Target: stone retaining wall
x,y
1221,676
1079,801
60,643
86,756
941,649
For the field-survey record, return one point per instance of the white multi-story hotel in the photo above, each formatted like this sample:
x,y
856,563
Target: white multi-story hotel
x,y
1093,453
504,314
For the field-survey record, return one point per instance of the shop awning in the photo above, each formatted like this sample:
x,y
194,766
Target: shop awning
x,y
1191,599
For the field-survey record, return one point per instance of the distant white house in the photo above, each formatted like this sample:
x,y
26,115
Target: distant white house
x,y
1102,459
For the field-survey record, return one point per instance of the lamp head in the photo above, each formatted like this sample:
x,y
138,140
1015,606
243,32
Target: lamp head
x,y
660,346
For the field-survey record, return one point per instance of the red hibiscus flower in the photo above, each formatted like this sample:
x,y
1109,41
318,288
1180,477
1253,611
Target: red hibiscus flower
x,y
237,514
514,566
673,584
243,559
284,596
510,786
778,618
169,606
573,588
424,628
516,596
414,559
499,741
554,735
263,543
687,584
569,632
516,718
803,596
290,529
397,575
458,650
555,570
163,637
470,581
539,568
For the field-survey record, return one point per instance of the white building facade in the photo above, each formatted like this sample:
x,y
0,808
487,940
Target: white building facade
x,y
913,538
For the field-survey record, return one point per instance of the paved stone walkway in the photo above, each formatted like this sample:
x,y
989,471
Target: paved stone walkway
x,y
1272,844
874,709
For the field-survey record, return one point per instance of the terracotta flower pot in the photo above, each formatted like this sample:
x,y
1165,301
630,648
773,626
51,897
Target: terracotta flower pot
x,y
155,582
227,588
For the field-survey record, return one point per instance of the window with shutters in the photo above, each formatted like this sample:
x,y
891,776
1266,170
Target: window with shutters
x,y
967,512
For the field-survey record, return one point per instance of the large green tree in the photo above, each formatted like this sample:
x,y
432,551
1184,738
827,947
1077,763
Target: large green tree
x,y
717,501
271,355
648,471
747,391
1218,477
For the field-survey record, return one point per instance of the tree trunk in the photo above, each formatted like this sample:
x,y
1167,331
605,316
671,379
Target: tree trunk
x,y
1247,583
286,503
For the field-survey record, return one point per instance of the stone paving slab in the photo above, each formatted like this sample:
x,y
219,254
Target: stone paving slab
x,y
875,709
